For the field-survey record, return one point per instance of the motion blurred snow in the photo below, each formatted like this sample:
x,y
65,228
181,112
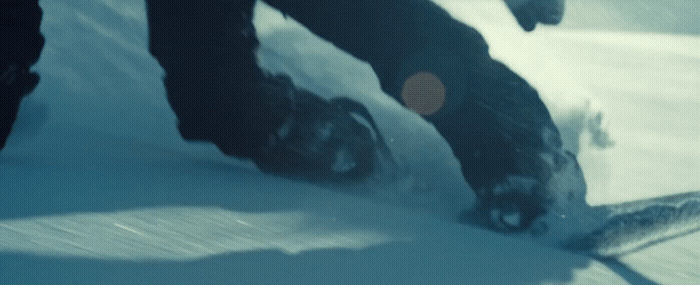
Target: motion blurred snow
x,y
96,177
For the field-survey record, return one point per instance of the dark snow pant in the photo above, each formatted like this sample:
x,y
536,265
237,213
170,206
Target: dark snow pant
x,y
207,49
20,46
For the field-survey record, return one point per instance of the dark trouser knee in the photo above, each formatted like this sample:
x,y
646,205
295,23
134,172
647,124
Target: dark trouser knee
x,y
21,43
207,49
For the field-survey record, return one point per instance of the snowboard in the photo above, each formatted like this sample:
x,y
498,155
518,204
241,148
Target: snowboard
x,y
632,226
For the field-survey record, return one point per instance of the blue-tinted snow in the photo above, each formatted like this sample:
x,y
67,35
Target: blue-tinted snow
x,y
96,186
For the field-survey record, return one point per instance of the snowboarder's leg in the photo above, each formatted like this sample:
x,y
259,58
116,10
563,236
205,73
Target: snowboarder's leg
x,y
207,51
219,94
495,122
21,43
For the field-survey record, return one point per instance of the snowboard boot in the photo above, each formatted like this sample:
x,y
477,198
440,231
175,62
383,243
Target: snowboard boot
x,y
319,140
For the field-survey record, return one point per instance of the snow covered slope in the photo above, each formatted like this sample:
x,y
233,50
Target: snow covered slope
x,y
96,186
659,16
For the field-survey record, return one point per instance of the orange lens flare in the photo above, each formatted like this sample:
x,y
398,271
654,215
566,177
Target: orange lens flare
x,y
423,93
